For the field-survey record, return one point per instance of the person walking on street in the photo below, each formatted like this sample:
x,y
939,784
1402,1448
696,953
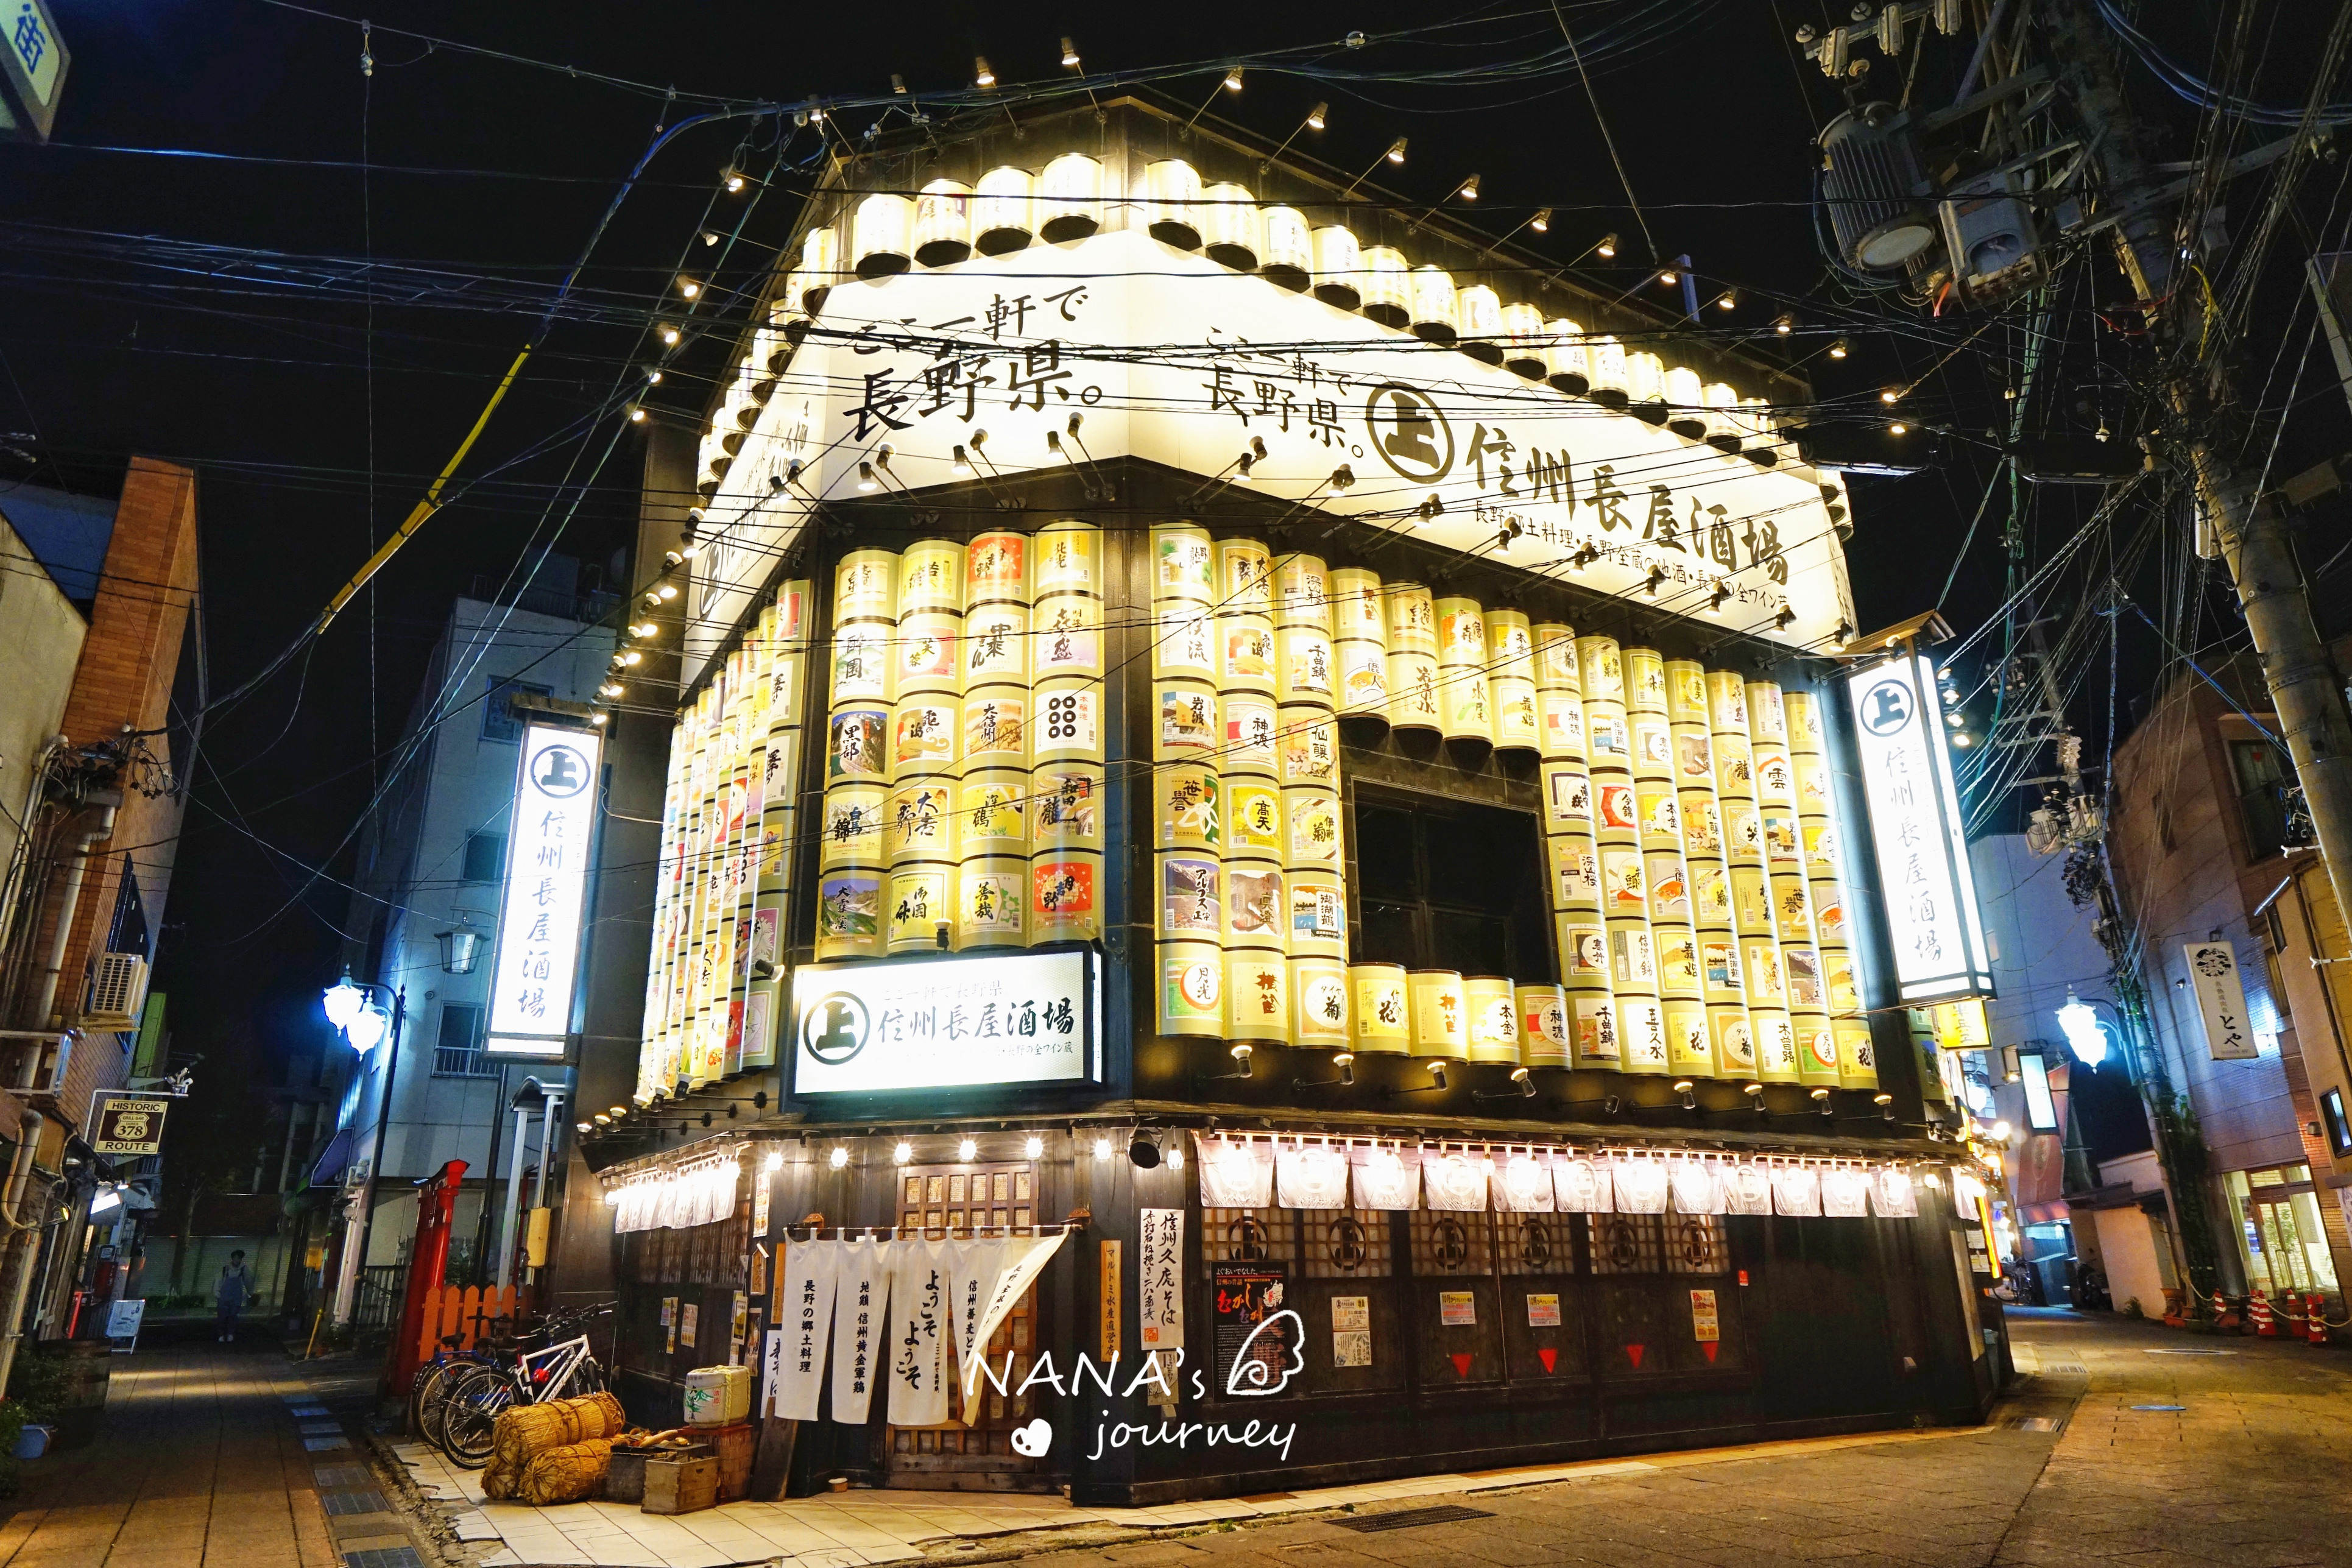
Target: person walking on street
x,y
229,1295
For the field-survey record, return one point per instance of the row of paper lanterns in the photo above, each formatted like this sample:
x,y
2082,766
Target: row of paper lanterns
x,y
699,1193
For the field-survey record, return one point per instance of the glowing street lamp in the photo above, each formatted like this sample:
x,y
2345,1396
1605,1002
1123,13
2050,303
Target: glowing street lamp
x,y
2085,1034
343,1000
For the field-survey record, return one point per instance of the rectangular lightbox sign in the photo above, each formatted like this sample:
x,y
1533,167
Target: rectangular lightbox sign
x,y
945,1023
1914,823
549,839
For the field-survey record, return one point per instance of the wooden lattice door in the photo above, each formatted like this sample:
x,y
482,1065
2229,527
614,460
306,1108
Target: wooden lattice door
x,y
957,1202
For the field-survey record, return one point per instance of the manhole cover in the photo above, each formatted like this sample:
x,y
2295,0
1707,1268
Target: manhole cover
x,y
331,1476
343,1502
323,1444
1406,1519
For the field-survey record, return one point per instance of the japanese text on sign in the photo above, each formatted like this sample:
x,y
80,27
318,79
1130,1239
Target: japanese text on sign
x,y
551,839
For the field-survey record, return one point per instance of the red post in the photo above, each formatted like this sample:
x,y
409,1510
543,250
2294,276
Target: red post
x,y
428,1265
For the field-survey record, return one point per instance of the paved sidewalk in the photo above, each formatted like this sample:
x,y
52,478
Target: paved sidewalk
x,y
211,1456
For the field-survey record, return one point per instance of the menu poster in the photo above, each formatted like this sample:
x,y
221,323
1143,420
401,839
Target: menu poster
x,y
1243,1299
1351,1330
1457,1308
1543,1311
688,1319
1707,1325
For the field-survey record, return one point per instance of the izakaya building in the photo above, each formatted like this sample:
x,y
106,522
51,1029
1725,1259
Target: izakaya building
x,y
1285,800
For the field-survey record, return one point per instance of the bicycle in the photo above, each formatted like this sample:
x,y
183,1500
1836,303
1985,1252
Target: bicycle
x,y
428,1391
477,1397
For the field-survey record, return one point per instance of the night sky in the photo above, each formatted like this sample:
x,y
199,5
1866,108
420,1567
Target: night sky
x,y
224,313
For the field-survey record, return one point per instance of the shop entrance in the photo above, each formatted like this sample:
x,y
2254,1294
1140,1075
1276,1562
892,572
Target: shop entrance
x,y
972,1450
2281,1237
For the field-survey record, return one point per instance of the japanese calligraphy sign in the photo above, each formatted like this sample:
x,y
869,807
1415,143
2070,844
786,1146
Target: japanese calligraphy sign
x,y
921,1311
551,839
1171,358
1915,826
805,1318
860,1326
2221,1001
1160,1279
868,1028
33,65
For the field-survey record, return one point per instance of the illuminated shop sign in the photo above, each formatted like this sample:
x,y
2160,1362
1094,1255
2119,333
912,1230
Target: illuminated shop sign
x,y
1915,821
945,1023
1017,344
549,839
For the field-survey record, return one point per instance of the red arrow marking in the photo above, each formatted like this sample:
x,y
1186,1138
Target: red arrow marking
x,y
1708,1346
1635,1351
1548,1357
1462,1364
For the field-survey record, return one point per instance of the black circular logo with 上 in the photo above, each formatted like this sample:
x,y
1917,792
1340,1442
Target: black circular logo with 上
x,y
559,771
834,1029
1886,708
1410,432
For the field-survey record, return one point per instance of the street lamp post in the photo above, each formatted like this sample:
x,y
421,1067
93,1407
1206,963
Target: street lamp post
x,y
355,1010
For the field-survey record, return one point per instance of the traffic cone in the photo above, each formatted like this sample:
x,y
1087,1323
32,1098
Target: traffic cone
x,y
2265,1326
2290,1311
2315,1320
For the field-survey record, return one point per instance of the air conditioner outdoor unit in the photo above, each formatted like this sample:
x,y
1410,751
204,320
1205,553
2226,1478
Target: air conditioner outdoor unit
x,y
118,991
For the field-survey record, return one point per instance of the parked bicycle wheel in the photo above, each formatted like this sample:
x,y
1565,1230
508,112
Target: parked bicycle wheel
x,y
469,1412
428,1402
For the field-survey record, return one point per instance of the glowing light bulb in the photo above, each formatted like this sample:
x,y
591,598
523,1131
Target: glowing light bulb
x,y
838,1158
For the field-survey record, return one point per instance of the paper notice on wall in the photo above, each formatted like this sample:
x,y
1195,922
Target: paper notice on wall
x,y
916,1354
1351,1330
804,1324
1705,1326
1457,1308
1543,1310
690,1318
1160,1279
759,1204
860,1301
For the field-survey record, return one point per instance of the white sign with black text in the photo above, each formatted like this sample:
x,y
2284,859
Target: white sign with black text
x,y
550,840
1915,827
2221,1001
944,1023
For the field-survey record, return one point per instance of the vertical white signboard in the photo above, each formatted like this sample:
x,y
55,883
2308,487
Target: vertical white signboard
x,y
549,839
2221,1000
1915,824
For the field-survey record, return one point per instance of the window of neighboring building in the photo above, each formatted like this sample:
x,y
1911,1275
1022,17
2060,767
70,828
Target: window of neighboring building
x,y
486,857
458,1047
2270,804
2339,1125
499,720
1451,885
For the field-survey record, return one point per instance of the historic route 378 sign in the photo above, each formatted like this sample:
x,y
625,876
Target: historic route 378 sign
x,y
122,1125
945,1023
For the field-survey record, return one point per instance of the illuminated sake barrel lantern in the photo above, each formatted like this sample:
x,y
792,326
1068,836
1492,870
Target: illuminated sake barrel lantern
x,y
1308,743
1065,806
1642,1021
1065,637
863,655
1243,580
1645,386
996,646
1319,1003
1257,906
1288,257
1413,618
1183,643
1253,825
1311,817
1690,1047
1817,1049
1434,305
1566,796
930,576
1605,368
1187,808
1593,1017
926,660
1573,861
820,266
849,912
991,903
1524,340
858,744
882,235
1839,991
1171,190
943,223
1066,721
1193,989
1360,641
1724,422
1191,895
920,913
1814,794
1678,960
1565,361
1415,702
1735,1040
1857,1054
1246,653
1067,559
1543,1026
996,569
1004,211
1229,227
1187,730
1645,680
865,585
1302,592
1339,266
1464,701
1492,1014
1800,720
1602,666
1379,1013
1510,681
1727,703
1686,692
918,821
1685,402
1357,609
1441,1024
1304,667
1256,995
993,813
1608,737
1183,561
1066,895
1317,911
1070,199
996,728
851,825
1250,739
1668,886
1387,286
1478,320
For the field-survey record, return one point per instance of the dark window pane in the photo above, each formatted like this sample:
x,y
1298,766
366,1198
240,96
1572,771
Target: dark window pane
x,y
486,857
1472,943
1385,858
1391,935
1451,885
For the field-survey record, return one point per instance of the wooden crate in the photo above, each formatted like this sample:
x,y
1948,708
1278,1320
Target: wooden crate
x,y
735,1444
624,1479
680,1486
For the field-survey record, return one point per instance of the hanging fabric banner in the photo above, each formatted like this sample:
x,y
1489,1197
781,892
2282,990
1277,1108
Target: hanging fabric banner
x,y
1386,1178
1311,1176
1796,1190
1159,1281
1236,1174
860,1303
1844,1190
1523,1183
1892,1194
1694,1186
804,1321
1580,1185
971,1274
1746,1189
1455,1180
920,1330
1020,1270
1641,1185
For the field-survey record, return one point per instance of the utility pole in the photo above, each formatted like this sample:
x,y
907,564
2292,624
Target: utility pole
x,y
2306,691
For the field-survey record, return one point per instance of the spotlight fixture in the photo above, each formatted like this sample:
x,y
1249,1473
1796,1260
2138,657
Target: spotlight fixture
x,y
1886,1103
637,413
962,465
1657,575
1033,1146
1682,1087
1241,1051
1728,300
652,376
632,657
1899,428
1669,278
1102,1148
1395,155
599,720
1755,1093
1345,1061
1722,593
1890,394
1233,79
898,85
775,1160
966,1148
980,75
1788,614
1143,1151
1176,1153
611,689
1469,189
688,287
1314,116
838,1158
669,334
1838,349
709,237
865,479
1069,55
732,179
1784,324
1541,222
1523,1087
1822,1098
1607,249
601,1120
1241,468
903,1152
